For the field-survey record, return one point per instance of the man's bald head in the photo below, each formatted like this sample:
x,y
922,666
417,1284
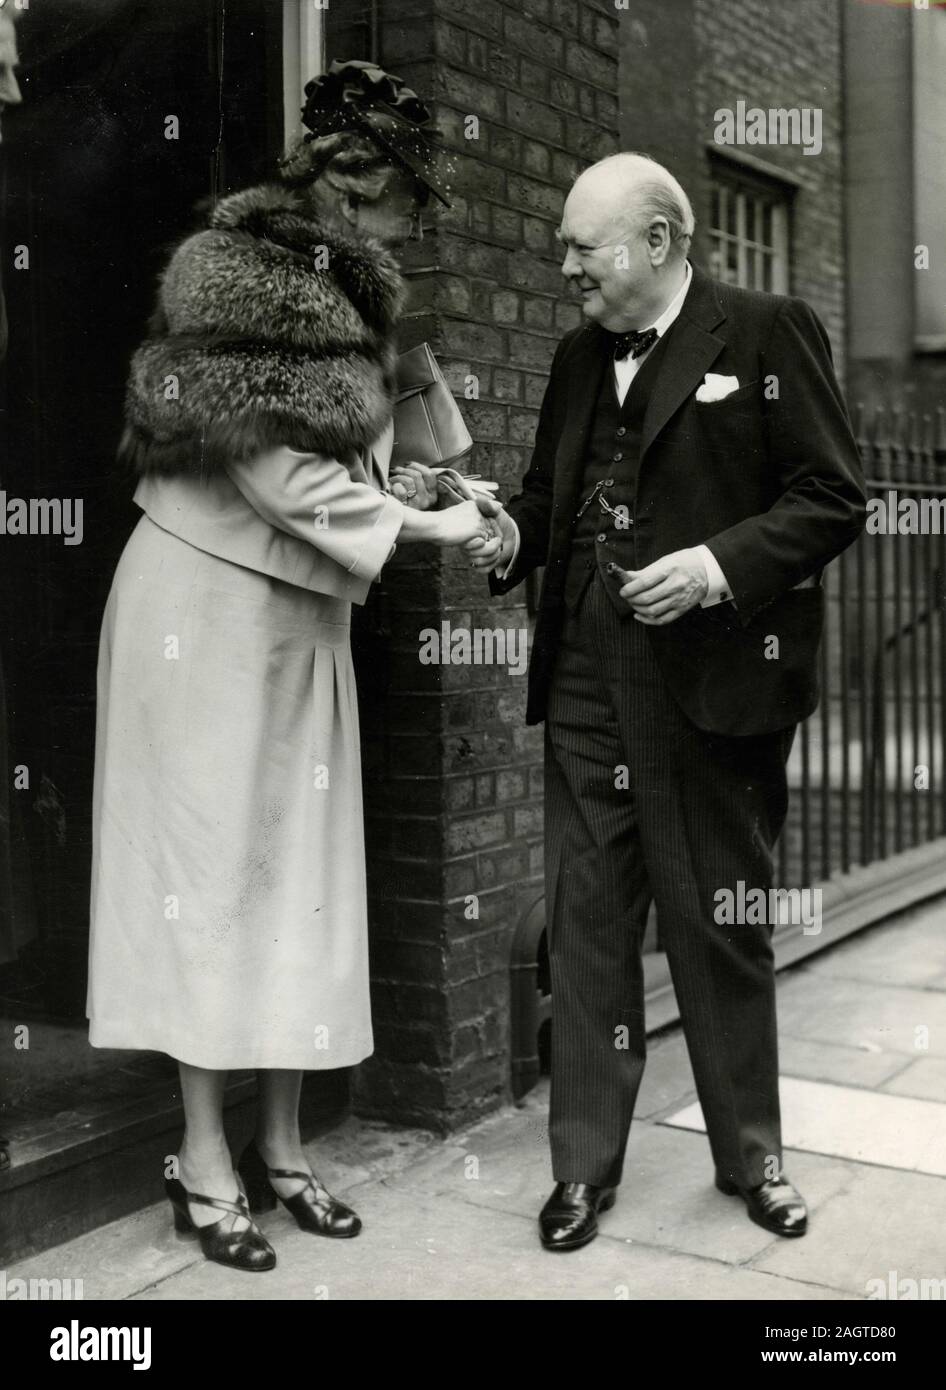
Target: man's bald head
x,y
626,229
629,189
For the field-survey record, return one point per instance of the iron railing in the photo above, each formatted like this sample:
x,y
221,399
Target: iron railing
x,y
867,769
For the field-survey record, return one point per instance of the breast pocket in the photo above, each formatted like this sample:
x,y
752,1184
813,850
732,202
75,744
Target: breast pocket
x,y
732,424
752,391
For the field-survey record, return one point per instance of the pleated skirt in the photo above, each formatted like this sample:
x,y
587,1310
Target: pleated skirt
x,y
228,908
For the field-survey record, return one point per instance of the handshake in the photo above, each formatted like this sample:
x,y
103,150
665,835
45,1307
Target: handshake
x,y
467,515
658,594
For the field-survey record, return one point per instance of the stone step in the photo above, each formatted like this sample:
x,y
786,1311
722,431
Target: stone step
x,y
87,1149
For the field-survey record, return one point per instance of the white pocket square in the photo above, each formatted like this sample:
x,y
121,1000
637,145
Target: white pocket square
x,y
716,388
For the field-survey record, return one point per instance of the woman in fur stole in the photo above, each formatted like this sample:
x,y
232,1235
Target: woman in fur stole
x,y
229,924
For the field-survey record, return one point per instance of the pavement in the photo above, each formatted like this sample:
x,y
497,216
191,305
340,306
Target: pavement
x,y
863,1061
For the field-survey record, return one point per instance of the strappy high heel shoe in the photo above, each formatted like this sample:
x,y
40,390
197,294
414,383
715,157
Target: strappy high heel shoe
x,y
244,1248
314,1208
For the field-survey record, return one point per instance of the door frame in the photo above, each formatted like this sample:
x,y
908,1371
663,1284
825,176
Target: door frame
x,y
303,49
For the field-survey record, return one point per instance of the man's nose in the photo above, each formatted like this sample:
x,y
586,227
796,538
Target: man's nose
x,y
571,265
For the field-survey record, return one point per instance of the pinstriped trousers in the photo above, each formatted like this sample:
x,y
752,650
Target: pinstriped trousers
x,y
642,805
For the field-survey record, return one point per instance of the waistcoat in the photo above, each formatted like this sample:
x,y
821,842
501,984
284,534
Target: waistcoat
x,y
611,466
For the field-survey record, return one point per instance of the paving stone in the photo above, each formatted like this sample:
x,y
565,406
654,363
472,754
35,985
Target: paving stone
x,y
668,1077
886,1221
854,1012
116,1260
668,1197
357,1150
924,1078
866,1126
503,1163
910,950
847,1066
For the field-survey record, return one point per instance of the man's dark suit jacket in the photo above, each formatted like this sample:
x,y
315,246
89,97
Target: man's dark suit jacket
x,y
769,478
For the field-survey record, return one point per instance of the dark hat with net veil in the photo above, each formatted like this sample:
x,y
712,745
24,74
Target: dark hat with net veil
x,y
359,98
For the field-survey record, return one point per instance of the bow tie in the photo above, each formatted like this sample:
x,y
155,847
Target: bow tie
x,y
633,343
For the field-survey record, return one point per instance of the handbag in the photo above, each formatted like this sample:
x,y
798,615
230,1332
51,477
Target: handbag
x,y
428,426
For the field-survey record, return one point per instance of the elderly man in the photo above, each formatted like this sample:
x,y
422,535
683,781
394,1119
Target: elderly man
x,y
693,472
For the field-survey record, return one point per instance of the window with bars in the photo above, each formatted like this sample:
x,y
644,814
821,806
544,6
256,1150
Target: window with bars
x,y
749,232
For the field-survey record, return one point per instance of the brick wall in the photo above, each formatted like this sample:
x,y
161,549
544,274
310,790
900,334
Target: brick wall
x,y
682,62
453,777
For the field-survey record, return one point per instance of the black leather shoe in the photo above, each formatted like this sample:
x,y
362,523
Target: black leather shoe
x,y
775,1205
569,1218
315,1209
242,1247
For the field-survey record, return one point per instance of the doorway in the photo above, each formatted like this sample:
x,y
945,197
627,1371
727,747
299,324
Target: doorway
x,y
135,112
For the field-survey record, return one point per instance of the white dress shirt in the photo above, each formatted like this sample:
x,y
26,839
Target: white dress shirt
x,y
625,371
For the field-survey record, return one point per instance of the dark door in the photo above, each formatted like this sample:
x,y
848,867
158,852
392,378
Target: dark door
x,y
95,191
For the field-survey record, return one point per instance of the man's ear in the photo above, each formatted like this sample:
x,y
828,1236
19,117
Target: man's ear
x,y
658,241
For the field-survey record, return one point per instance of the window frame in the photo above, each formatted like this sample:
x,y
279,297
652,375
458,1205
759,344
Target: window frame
x,y
751,187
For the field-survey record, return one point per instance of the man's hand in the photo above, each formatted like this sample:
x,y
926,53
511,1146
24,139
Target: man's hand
x,y
468,523
495,553
665,590
415,485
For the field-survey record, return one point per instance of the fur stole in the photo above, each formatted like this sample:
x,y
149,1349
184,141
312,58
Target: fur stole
x,y
270,330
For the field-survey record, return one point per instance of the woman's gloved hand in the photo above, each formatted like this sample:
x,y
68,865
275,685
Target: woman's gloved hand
x,y
415,485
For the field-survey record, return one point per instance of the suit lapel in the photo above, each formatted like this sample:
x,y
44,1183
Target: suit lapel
x,y
692,351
